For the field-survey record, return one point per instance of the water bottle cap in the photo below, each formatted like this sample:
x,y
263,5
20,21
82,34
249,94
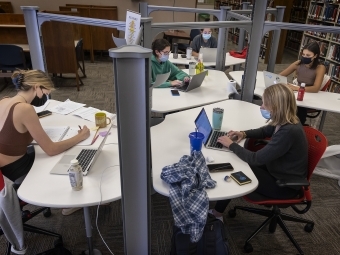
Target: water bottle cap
x,y
74,162
303,84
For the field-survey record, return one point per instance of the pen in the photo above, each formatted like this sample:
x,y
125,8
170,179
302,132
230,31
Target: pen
x,y
79,127
95,136
95,139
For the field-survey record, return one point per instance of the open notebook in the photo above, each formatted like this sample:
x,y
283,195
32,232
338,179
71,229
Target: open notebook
x,y
57,134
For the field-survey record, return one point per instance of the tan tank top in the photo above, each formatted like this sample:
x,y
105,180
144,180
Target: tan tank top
x,y
305,75
13,143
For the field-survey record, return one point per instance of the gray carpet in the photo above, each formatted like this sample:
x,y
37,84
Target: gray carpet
x,y
98,92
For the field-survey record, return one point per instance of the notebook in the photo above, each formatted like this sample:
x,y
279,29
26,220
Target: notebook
x,y
210,136
195,82
272,78
86,158
209,54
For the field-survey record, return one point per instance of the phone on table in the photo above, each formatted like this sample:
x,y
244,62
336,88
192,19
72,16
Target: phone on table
x,y
240,178
183,55
175,92
220,167
44,113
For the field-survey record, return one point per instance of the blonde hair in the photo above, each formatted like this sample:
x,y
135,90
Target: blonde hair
x,y
26,79
280,101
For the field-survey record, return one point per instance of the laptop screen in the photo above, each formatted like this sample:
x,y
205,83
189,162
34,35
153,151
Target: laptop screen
x,y
203,125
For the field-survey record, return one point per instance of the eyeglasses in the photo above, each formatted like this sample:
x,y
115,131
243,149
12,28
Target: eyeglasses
x,y
166,52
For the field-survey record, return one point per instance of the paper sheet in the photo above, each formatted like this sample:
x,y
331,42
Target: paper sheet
x,y
66,107
41,108
89,114
160,79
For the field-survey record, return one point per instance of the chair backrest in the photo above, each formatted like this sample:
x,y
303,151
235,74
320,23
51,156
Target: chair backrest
x,y
2,182
317,144
11,55
194,33
325,83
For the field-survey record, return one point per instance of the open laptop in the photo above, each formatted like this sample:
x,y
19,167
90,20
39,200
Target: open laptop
x,y
210,136
272,78
209,54
195,82
86,158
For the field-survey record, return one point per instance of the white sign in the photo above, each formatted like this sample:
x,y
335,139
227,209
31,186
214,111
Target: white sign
x,y
132,28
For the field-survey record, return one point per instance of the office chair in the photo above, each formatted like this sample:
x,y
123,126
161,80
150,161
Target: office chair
x,y
80,56
317,144
27,215
193,33
12,57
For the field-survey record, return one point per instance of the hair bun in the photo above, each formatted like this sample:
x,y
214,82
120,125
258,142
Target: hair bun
x,y
17,80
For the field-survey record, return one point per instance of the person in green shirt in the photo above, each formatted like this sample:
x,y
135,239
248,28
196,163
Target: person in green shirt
x,y
160,65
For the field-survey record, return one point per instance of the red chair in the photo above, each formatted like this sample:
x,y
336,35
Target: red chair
x,y
317,144
27,215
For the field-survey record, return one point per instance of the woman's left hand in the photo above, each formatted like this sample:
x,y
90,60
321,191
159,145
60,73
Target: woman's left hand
x,y
293,87
225,141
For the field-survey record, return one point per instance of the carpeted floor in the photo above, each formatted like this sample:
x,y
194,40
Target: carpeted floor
x,y
98,92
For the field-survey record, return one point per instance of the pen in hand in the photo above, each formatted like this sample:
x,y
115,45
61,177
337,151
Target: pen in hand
x,y
79,127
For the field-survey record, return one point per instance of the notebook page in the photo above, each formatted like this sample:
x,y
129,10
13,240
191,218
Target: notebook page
x,y
56,134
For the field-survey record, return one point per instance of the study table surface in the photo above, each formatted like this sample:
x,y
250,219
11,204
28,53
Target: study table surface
x,y
229,60
213,89
325,101
170,141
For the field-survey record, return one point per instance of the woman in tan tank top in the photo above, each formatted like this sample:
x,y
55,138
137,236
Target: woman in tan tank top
x,y
309,71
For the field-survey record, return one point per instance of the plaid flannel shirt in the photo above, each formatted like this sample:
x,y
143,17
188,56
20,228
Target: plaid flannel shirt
x,y
188,198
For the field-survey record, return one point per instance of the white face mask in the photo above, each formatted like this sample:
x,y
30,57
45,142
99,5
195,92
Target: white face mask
x,y
206,36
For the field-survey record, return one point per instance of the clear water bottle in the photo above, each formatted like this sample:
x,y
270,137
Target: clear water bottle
x,y
175,49
75,174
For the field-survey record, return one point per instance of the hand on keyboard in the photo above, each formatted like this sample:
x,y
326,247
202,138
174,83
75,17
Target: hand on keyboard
x,y
235,136
225,141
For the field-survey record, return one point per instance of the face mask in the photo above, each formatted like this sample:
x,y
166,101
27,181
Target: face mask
x,y
164,58
39,101
206,36
306,61
265,113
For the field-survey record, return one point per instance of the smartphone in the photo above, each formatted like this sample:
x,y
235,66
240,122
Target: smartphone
x,y
240,178
174,92
220,167
44,113
183,56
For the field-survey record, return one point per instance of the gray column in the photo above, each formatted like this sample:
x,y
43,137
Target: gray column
x,y
132,63
249,78
147,34
33,36
143,9
222,40
241,36
275,39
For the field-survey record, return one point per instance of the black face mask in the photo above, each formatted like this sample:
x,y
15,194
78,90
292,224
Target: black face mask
x,y
306,61
39,101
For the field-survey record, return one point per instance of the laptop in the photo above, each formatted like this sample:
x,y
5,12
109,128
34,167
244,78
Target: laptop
x,y
272,78
86,158
209,54
195,82
210,136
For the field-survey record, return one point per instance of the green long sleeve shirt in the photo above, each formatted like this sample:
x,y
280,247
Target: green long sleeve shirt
x,y
164,67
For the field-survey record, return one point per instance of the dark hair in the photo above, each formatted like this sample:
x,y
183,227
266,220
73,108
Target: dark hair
x,y
315,48
159,45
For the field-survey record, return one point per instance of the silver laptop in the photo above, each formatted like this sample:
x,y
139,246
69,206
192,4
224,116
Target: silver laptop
x,y
209,54
210,135
272,78
86,158
195,82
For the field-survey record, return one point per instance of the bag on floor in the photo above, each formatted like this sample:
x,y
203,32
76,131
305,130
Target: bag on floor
x,y
58,250
213,241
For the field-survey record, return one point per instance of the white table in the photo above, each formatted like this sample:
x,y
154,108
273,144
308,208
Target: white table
x,y
229,60
324,101
170,141
44,189
213,89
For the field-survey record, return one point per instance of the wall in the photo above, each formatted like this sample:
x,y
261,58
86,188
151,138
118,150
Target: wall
x,y
122,5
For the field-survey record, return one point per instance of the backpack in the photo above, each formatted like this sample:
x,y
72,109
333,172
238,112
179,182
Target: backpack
x,y
212,242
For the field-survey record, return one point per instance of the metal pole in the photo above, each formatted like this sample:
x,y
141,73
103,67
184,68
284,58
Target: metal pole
x,y
143,9
147,37
132,63
222,40
33,36
276,39
249,78
88,228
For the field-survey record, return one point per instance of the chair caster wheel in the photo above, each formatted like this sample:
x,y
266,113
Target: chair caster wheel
x,y
47,212
309,227
248,248
232,213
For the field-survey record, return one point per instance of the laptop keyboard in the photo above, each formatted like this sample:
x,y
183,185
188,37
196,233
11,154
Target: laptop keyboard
x,y
213,141
85,157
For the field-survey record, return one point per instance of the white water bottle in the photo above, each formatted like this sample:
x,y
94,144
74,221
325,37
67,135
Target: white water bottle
x,y
75,174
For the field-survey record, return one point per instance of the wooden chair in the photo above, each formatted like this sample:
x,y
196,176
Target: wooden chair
x,y
60,54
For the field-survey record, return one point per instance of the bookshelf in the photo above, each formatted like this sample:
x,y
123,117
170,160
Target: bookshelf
x,y
325,13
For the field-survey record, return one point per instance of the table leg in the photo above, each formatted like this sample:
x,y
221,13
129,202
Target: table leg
x,y
88,228
322,121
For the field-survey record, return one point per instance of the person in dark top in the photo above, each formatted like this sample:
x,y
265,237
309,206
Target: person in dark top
x,y
286,154
308,70
204,40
